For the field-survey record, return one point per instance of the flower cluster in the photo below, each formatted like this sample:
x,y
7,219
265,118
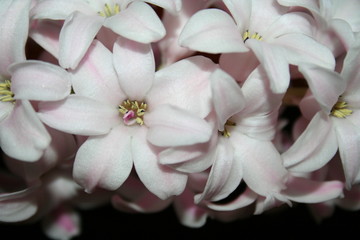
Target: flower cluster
x,y
146,104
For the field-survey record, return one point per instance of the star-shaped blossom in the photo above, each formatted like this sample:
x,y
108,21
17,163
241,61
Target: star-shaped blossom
x,y
336,21
256,32
135,20
22,135
127,110
332,108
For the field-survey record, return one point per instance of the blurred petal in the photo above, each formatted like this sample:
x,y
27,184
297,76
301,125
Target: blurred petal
x,y
62,224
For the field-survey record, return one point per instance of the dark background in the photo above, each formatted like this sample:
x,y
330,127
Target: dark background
x,y
288,223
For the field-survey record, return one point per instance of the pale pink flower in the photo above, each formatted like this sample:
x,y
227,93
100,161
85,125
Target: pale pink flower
x,y
22,135
256,32
128,110
134,20
333,110
248,125
336,21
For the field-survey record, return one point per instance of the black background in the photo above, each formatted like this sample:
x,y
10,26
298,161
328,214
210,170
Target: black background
x,y
288,223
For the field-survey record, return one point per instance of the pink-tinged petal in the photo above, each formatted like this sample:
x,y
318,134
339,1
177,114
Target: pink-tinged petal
x,y
104,161
167,121
212,31
79,115
159,179
38,80
263,170
184,84
272,58
225,174
344,32
23,130
139,22
299,48
171,6
60,9
189,213
239,65
46,34
20,205
309,191
13,32
243,200
135,65
241,12
348,138
315,146
228,98
62,223
95,76
325,84
73,49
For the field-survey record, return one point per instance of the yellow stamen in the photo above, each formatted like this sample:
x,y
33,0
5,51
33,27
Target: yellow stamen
x,y
340,110
6,95
247,36
226,132
133,112
110,11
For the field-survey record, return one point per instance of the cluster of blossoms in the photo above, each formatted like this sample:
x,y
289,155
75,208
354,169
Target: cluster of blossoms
x,y
147,104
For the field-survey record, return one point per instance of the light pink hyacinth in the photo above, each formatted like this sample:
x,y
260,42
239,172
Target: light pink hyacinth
x,y
126,109
274,37
135,20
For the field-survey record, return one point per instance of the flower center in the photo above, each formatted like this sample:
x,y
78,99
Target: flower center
x,y
133,112
247,35
109,11
340,110
226,132
6,95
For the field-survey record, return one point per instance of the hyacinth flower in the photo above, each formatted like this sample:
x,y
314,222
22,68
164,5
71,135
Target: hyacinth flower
x,y
135,20
19,124
331,109
256,32
336,21
244,127
124,121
